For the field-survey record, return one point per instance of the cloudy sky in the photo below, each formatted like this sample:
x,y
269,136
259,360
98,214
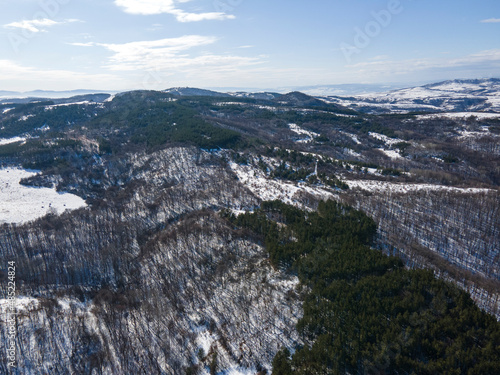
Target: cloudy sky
x,y
156,44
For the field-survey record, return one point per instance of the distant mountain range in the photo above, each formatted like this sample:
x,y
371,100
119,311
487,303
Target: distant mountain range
x,y
448,96
47,94
472,95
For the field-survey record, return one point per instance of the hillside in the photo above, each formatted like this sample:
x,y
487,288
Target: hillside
x,y
448,96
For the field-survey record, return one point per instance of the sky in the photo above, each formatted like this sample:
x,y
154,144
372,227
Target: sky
x,y
157,44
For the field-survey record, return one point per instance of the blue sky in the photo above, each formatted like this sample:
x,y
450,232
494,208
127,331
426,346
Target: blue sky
x,y
156,44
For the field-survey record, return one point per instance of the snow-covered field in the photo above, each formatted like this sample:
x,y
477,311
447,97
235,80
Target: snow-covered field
x,y
387,140
446,96
461,115
391,153
308,135
6,141
20,204
384,186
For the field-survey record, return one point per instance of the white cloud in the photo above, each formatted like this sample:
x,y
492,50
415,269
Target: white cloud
x,y
148,54
170,55
25,78
491,20
149,7
89,44
180,60
37,25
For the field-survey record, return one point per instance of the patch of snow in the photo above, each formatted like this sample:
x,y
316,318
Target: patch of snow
x,y
24,118
353,137
7,110
460,115
43,128
241,371
310,135
20,303
20,204
384,186
85,102
350,152
391,153
387,140
205,340
6,141
472,134
269,189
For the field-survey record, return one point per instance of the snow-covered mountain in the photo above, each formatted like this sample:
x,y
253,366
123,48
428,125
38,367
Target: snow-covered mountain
x,y
448,96
28,96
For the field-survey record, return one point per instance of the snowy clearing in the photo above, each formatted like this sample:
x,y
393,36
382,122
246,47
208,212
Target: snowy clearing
x,y
383,186
25,118
20,204
391,153
352,136
85,102
384,138
6,141
20,303
461,115
268,189
309,135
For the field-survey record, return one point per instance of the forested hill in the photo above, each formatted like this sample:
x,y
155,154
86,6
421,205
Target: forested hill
x,y
366,313
248,234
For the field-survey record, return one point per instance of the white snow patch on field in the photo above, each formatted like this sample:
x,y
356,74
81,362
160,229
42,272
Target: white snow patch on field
x,y
461,115
85,102
20,204
353,137
384,186
20,303
309,135
391,153
384,138
269,189
6,141
205,340
26,117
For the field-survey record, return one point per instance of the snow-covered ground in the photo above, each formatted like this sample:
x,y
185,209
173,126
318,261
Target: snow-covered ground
x,y
353,137
445,96
25,118
6,141
85,102
391,153
20,204
20,303
460,115
387,140
309,135
384,186
269,189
